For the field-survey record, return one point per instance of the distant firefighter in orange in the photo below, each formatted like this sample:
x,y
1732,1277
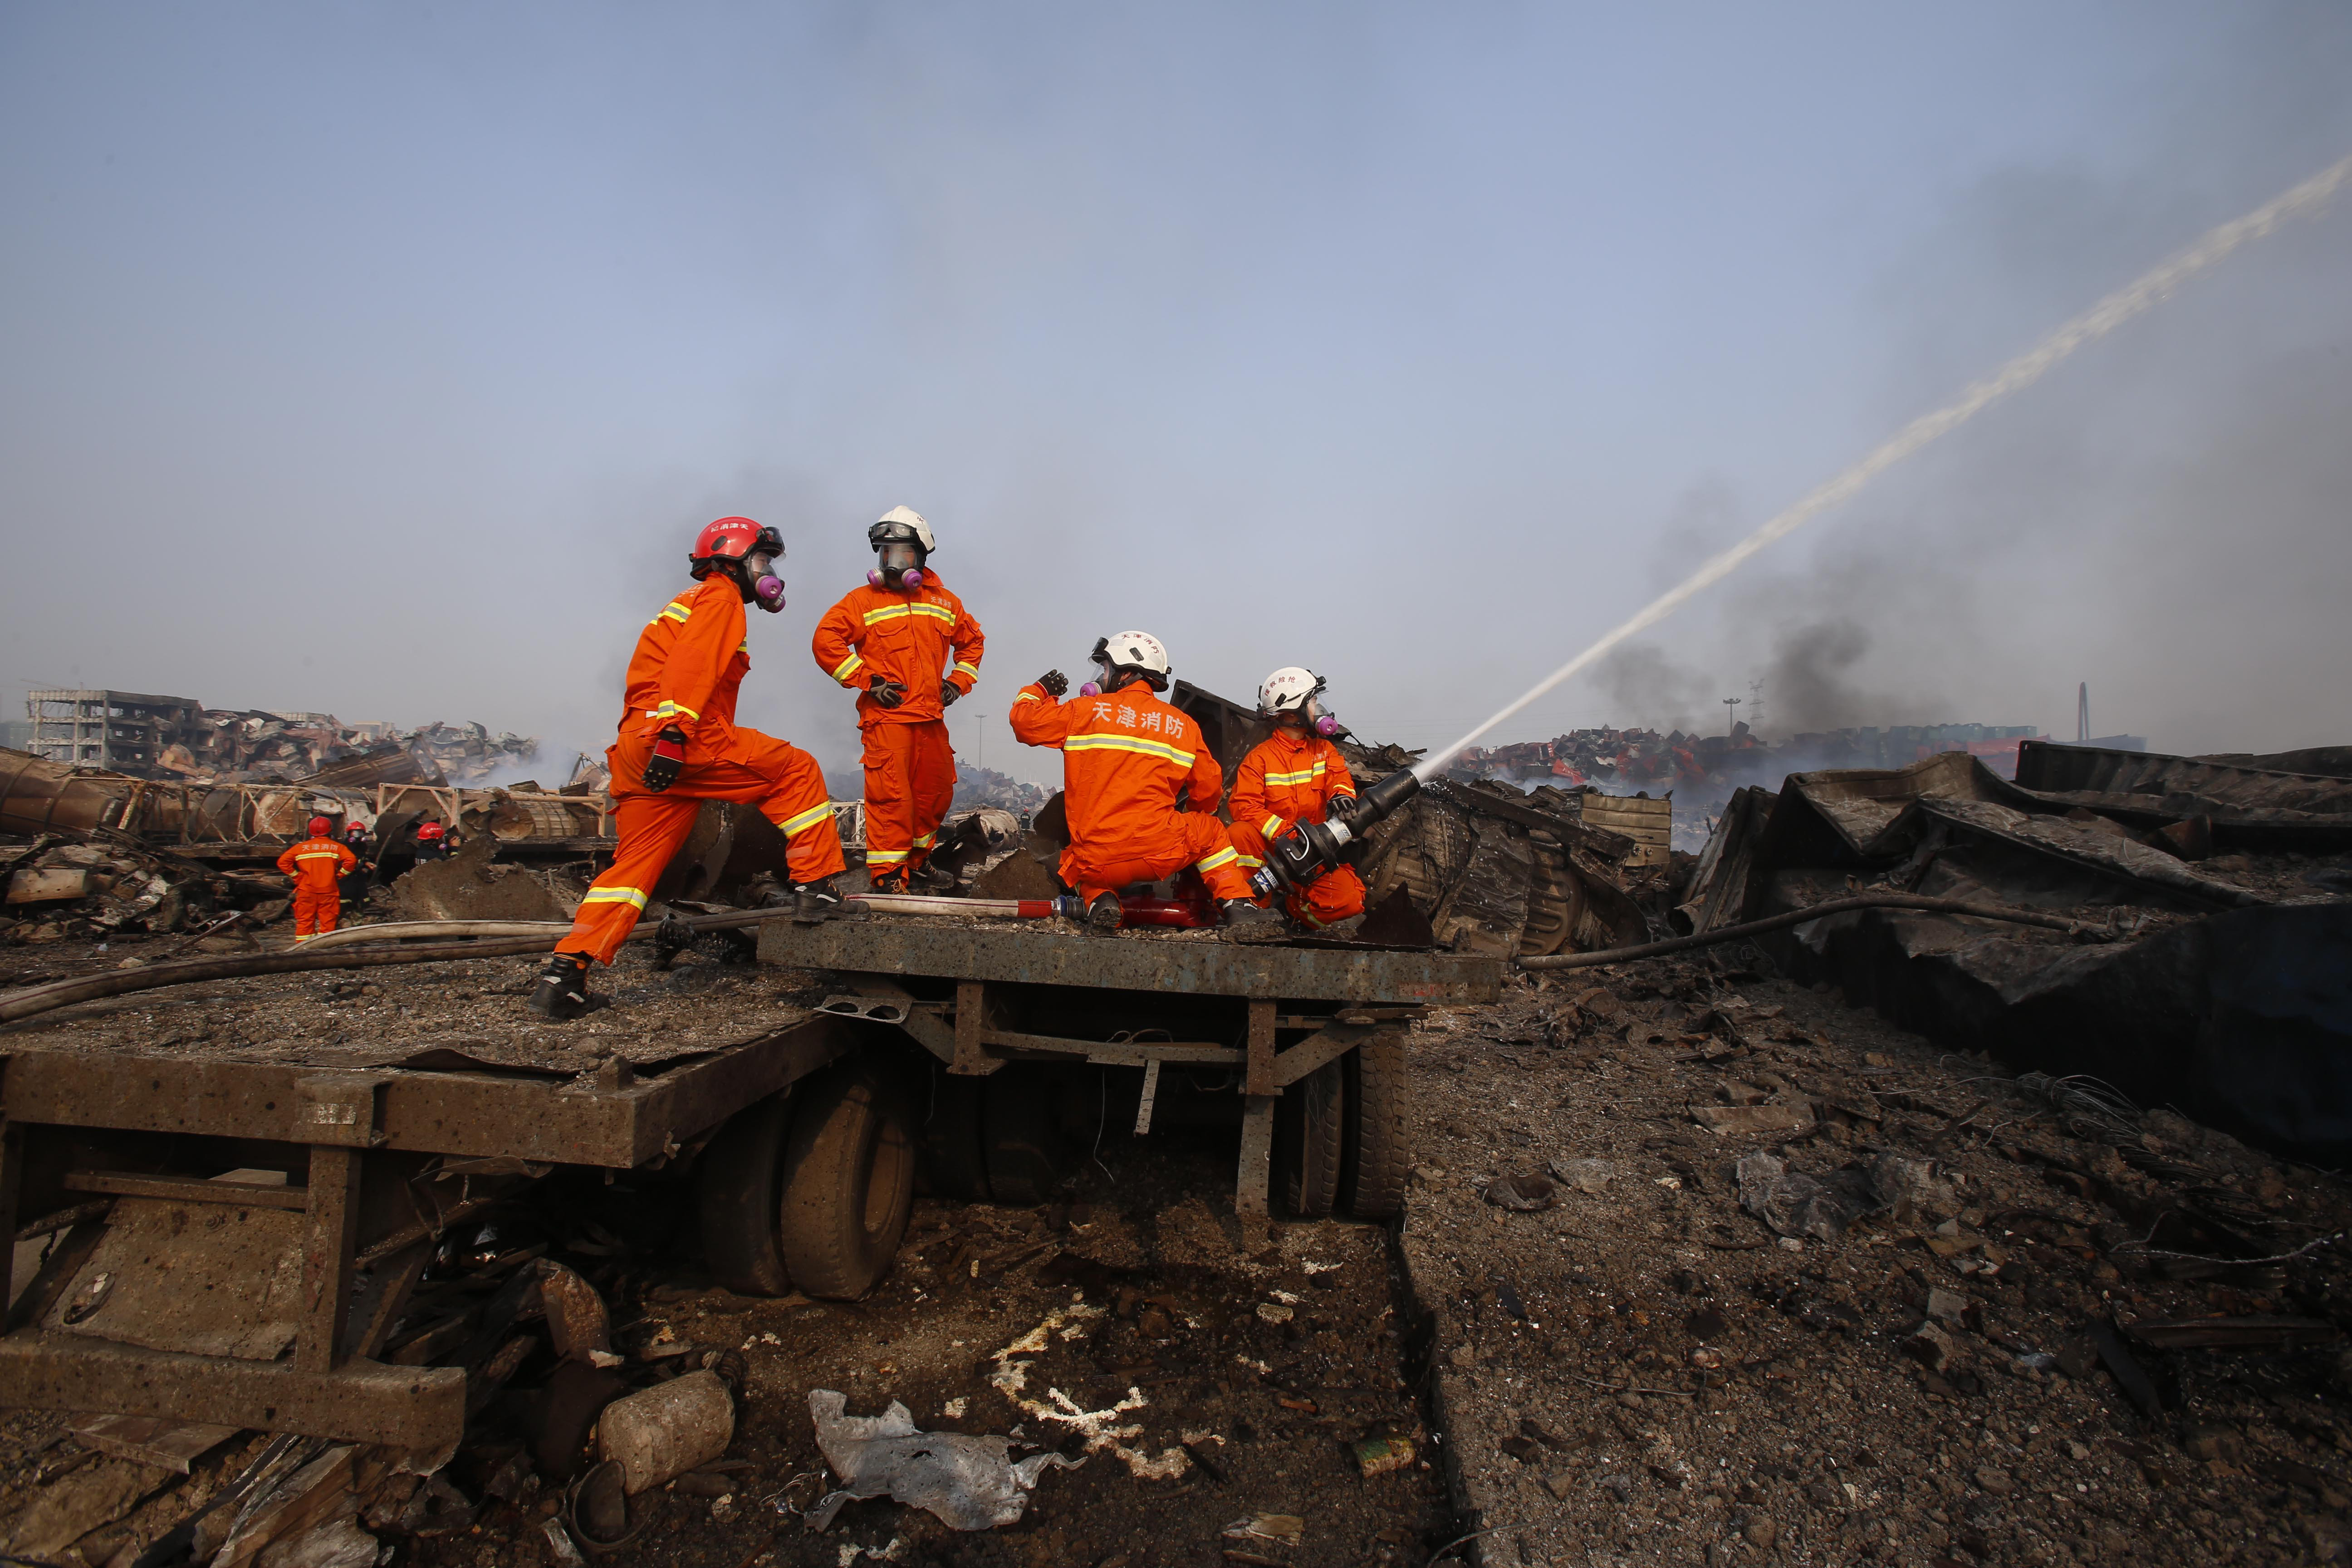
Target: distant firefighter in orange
x,y
317,866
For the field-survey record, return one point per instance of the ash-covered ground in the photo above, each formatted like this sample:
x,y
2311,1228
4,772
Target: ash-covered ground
x,y
1631,1367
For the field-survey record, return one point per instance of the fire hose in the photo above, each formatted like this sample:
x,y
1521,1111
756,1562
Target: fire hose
x,y
2081,930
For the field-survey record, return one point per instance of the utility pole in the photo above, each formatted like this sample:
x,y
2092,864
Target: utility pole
x,y
1728,716
2082,714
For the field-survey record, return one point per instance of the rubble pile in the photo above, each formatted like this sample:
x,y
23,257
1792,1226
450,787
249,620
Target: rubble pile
x,y
59,888
1721,1268
2215,900
171,739
977,786
1703,772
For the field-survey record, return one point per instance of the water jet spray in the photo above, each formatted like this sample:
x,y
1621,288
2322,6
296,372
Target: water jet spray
x,y
2016,375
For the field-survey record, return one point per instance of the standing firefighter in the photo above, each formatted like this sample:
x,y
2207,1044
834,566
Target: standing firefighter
x,y
909,648
1295,775
1129,759
680,746
317,866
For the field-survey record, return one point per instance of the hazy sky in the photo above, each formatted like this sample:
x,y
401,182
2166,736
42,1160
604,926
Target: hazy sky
x,y
384,359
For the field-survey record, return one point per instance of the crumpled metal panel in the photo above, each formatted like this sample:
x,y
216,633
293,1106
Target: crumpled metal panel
x,y
200,1278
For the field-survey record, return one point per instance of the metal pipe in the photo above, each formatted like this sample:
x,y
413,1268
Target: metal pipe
x,y
1818,911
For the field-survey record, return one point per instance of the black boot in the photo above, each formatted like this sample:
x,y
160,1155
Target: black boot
x,y
562,992
1103,916
814,903
1246,921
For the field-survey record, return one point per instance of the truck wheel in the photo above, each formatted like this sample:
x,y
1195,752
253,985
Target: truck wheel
x,y
1309,1135
848,1186
1375,1165
735,1199
1024,1146
952,1158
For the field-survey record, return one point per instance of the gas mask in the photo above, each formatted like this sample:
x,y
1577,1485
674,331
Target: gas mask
x,y
1322,723
757,576
898,564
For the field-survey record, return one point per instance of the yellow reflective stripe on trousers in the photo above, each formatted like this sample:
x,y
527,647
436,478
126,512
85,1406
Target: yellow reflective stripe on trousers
x,y
1128,743
632,896
848,667
926,841
794,825
886,856
1224,856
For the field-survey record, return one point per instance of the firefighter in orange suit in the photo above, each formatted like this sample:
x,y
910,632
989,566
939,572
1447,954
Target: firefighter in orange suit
x,y
680,746
317,866
909,648
1296,774
1127,758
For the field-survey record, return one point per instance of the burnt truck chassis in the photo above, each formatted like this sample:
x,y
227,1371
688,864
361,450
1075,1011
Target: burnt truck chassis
x,y
380,1163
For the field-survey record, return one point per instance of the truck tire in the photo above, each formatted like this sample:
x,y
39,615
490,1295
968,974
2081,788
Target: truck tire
x,y
736,1193
1021,1137
1377,1162
1310,1133
848,1186
952,1155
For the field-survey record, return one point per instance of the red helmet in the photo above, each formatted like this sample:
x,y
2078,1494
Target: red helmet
x,y
733,539
321,827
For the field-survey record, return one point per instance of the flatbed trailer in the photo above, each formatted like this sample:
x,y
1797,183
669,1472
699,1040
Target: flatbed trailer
x,y
235,1241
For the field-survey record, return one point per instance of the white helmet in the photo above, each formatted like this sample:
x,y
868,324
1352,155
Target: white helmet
x,y
1137,651
1287,691
900,524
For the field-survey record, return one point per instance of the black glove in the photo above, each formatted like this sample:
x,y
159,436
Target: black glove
x,y
885,692
668,761
948,693
1054,682
1341,807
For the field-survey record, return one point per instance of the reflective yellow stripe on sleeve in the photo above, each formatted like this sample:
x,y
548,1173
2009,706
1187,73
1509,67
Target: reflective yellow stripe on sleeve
x,y
1270,826
847,668
674,710
676,610
971,669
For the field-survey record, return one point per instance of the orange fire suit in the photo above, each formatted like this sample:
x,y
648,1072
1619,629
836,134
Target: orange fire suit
x,y
1125,758
1290,777
317,866
689,662
908,637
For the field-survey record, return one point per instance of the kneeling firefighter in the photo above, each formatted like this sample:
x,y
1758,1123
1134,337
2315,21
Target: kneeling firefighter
x,y
1129,761
678,746
909,648
317,866
1295,775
